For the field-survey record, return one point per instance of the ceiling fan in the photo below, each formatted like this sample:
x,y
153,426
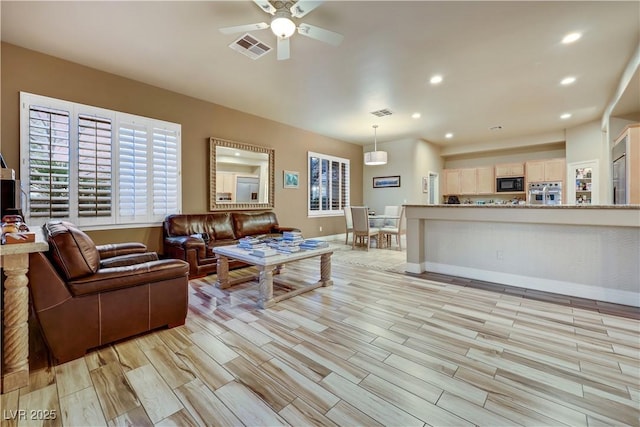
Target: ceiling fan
x,y
283,26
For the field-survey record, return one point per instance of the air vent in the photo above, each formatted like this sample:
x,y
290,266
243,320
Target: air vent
x,y
382,113
250,46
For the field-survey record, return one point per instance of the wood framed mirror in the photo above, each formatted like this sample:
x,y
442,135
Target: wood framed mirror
x,y
241,176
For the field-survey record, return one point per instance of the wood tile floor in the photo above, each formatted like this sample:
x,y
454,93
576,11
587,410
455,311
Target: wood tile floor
x,y
377,348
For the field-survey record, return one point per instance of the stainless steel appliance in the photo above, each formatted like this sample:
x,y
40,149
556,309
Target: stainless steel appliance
x,y
510,184
545,193
619,173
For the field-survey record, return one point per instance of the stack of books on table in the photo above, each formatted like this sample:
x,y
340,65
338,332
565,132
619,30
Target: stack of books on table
x,y
250,243
313,244
292,237
264,252
290,242
288,248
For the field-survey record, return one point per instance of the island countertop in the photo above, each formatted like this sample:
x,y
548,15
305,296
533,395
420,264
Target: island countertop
x,y
596,215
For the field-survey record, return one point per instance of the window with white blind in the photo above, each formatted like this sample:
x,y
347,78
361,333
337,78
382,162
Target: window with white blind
x,y
328,184
96,167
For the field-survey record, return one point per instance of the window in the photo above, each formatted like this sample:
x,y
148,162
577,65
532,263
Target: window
x,y
328,184
96,167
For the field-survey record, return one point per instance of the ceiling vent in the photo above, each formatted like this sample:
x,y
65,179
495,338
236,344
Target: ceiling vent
x,y
382,113
250,46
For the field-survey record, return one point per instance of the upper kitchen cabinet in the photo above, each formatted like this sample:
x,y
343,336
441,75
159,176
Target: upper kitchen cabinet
x,y
545,170
469,181
509,169
486,180
451,182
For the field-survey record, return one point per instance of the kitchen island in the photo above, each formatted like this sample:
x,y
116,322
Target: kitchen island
x,y
586,251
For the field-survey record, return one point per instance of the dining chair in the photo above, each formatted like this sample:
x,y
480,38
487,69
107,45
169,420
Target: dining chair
x,y
348,222
395,230
391,211
361,230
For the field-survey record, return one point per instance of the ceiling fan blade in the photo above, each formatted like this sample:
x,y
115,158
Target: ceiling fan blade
x,y
266,6
320,34
283,48
244,28
302,7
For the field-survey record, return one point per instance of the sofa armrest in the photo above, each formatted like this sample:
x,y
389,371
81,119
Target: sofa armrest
x,y
117,249
185,243
129,259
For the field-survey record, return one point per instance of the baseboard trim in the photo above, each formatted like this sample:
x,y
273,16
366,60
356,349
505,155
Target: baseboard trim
x,y
527,282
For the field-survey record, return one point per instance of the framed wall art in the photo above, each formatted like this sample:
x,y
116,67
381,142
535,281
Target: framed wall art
x,y
291,179
386,181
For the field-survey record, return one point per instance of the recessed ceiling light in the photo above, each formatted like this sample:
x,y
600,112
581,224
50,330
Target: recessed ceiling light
x,y
571,37
567,80
565,116
415,115
436,79
448,135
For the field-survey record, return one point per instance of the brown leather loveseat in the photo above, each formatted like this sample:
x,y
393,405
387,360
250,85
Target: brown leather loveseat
x,y
192,237
86,296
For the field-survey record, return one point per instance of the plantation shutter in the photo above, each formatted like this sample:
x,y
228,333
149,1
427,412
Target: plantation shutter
x,y
132,173
49,161
344,186
165,172
328,184
94,166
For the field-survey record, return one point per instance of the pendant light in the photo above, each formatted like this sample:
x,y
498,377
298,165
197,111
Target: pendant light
x,y
375,157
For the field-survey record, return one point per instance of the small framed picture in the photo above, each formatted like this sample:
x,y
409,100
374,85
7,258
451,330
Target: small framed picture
x,y
386,181
291,179
425,184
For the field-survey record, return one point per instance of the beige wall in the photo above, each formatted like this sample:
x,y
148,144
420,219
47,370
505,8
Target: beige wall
x,y
29,71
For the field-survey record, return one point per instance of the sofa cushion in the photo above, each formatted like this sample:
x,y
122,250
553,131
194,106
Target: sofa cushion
x,y
252,224
222,227
72,251
215,225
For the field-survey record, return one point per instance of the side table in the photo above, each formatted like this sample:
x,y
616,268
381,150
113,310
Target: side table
x,y
14,260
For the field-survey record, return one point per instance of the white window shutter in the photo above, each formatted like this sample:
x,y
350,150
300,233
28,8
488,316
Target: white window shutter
x,y
165,173
132,173
94,167
49,161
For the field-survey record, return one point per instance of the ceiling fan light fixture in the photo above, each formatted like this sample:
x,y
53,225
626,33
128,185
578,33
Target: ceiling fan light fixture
x,y
282,25
375,157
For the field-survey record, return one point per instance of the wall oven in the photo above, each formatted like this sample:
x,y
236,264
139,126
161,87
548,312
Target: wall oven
x,y
510,184
545,193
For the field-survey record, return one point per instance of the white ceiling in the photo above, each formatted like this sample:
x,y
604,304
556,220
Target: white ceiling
x,y
501,61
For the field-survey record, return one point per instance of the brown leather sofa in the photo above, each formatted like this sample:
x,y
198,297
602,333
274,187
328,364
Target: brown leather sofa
x,y
85,296
192,237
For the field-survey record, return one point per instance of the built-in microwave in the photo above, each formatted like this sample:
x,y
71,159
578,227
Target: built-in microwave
x,y
510,184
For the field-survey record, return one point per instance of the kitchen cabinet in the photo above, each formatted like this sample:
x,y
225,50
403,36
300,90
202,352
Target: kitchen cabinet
x,y
509,169
545,170
469,181
225,186
485,180
451,182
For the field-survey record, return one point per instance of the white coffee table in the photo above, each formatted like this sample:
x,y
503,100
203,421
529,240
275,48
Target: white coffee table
x,y
269,265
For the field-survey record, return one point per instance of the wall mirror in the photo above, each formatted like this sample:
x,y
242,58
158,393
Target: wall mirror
x,y
241,176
